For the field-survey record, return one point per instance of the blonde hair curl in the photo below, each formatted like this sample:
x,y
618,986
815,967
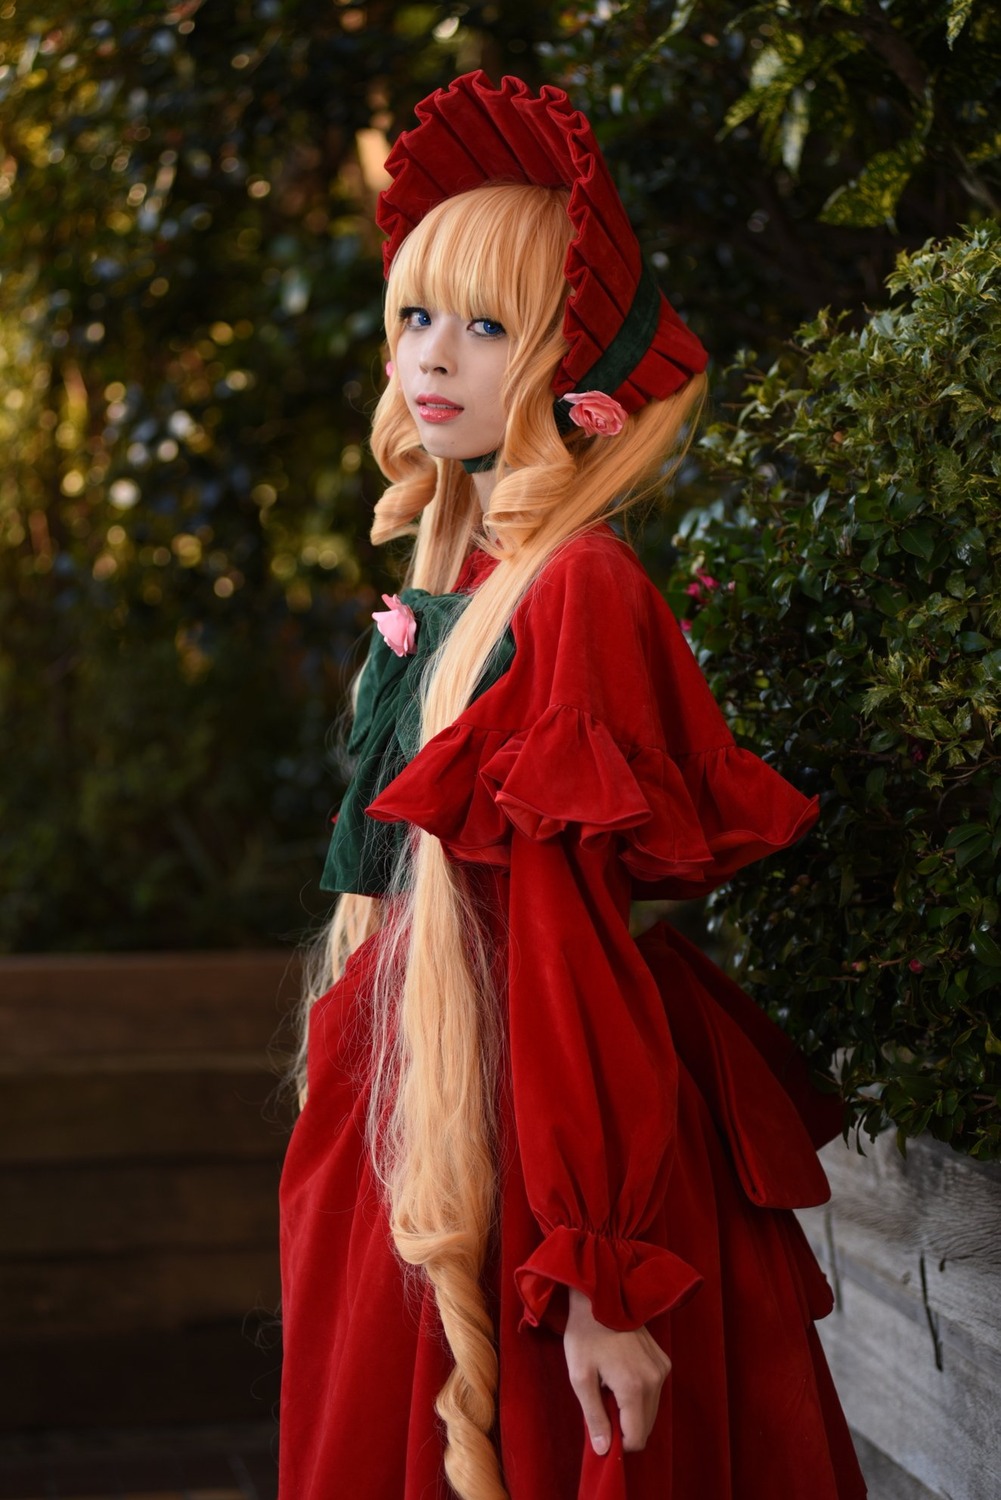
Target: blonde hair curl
x,y
496,251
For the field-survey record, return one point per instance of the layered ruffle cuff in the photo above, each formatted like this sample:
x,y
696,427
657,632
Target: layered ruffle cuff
x,y
628,1282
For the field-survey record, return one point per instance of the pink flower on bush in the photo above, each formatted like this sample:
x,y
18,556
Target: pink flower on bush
x,y
599,415
916,966
397,624
706,585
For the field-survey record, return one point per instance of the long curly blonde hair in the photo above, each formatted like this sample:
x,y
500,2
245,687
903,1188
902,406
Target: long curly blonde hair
x,y
497,251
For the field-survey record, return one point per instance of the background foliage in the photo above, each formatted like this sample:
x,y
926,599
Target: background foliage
x,y
190,303
189,348
847,609
753,140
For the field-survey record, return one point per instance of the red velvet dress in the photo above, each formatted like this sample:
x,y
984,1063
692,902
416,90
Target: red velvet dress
x,y
658,1128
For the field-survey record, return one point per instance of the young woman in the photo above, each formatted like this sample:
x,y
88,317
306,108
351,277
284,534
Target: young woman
x,y
536,1233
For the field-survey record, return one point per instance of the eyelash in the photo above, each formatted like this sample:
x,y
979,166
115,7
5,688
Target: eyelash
x,y
408,313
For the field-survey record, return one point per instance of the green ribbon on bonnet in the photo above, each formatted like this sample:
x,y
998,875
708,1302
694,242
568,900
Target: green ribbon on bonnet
x,y
385,737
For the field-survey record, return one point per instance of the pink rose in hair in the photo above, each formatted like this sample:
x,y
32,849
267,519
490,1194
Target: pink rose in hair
x,y
397,624
599,415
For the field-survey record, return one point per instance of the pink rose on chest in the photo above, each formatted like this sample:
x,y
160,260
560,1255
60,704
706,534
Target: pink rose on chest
x,y
397,624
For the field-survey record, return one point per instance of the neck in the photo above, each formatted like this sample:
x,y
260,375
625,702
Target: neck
x,y
483,484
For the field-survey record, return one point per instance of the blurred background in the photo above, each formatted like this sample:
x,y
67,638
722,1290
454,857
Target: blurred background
x,y
190,309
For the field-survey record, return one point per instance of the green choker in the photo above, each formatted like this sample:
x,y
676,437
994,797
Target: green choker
x,y
480,465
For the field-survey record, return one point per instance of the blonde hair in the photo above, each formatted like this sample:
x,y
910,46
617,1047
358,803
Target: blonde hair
x,y
497,251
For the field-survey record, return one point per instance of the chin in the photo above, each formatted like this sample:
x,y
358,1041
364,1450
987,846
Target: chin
x,y
460,455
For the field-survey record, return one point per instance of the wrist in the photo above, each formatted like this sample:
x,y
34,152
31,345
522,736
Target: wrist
x,y
579,1309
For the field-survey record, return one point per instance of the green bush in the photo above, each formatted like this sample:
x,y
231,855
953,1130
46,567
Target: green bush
x,y
844,599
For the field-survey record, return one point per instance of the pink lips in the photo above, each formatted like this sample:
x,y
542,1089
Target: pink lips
x,y
432,408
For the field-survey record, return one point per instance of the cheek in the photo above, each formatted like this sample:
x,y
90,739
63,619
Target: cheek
x,y
492,380
406,366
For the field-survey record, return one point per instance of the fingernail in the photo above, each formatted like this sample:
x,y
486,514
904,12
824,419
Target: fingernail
x,y
600,1444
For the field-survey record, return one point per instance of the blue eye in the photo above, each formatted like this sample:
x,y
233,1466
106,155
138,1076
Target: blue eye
x,y
489,328
415,317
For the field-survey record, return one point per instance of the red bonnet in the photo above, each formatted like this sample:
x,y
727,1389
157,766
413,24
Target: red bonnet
x,y
624,337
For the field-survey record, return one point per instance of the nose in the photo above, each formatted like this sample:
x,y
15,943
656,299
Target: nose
x,y
438,349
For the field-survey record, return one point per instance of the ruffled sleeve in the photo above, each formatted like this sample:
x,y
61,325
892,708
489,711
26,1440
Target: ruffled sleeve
x,y
604,726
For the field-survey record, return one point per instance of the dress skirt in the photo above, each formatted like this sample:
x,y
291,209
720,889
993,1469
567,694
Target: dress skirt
x,y
749,1411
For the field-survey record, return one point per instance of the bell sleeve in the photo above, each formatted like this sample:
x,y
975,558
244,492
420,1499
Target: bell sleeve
x,y
604,724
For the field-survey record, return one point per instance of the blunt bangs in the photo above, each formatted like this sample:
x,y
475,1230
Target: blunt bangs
x,y
483,254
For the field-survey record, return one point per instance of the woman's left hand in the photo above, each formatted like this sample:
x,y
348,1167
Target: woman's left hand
x,y
632,1365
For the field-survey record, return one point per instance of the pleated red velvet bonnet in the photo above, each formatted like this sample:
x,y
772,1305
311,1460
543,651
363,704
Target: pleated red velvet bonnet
x,y
624,336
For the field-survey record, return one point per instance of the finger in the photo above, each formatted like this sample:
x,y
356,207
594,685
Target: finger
x,y
633,1416
588,1392
639,1401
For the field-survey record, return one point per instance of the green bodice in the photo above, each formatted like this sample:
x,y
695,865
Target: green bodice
x,y
385,737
